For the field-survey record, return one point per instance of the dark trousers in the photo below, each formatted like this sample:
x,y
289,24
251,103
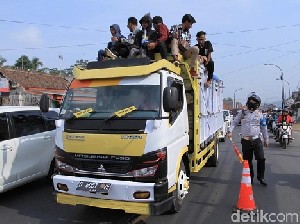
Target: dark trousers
x,y
210,69
250,147
160,48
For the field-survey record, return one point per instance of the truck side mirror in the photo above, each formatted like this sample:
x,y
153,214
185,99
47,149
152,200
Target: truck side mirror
x,y
44,103
170,99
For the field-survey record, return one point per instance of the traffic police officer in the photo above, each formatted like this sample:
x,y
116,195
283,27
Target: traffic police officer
x,y
254,135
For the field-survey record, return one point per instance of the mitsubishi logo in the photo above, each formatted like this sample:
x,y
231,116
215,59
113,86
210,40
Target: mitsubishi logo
x,y
101,168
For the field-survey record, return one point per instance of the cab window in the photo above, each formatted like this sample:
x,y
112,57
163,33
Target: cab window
x,y
28,123
4,134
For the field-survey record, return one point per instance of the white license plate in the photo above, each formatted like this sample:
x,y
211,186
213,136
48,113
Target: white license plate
x,y
93,187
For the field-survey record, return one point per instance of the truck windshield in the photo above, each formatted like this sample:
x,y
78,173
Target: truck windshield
x,y
102,102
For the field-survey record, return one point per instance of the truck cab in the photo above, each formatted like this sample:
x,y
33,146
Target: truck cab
x,y
129,135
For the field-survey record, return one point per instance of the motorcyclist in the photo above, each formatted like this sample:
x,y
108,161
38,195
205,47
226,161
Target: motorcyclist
x,y
283,117
269,120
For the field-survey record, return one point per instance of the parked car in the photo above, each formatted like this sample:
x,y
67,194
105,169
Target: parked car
x,y
26,144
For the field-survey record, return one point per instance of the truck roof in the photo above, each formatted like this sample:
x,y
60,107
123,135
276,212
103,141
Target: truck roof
x,y
122,68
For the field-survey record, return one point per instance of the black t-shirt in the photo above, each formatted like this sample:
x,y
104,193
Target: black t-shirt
x,y
206,49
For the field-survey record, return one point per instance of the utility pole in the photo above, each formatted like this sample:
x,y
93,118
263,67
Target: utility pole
x,y
282,80
234,106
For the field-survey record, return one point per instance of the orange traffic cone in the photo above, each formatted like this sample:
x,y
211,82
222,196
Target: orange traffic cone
x,y
245,202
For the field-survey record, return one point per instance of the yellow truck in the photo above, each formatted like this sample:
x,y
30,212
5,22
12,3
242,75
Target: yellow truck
x,y
131,132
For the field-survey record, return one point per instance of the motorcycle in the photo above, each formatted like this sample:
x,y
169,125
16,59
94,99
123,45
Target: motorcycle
x,y
285,134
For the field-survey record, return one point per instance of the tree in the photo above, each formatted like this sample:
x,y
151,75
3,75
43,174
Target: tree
x,y
35,63
2,61
23,63
82,62
68,72
54,71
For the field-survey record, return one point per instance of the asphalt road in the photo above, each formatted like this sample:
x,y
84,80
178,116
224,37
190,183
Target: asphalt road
x,y
213,193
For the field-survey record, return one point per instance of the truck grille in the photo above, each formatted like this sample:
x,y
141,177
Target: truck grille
x,y
101,166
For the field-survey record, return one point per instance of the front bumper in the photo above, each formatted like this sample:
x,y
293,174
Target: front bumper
x,y
120,195
153,208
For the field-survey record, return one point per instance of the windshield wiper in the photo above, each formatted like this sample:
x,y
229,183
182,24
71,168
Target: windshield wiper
x,y
82,113
121,113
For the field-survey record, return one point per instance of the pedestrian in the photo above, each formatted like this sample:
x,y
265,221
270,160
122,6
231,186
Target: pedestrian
x,y
254,135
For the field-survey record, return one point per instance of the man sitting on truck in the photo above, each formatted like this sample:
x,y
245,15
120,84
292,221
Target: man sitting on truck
x,y
112,47
205,50
161,40
181,42
132,41
147,35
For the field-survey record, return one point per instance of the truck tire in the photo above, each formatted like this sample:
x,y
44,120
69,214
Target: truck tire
x,y
214,159
181,189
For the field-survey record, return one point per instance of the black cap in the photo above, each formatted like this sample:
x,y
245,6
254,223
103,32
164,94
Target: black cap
x,y
157,19
188,17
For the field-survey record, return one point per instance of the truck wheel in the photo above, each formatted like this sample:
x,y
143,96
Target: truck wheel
x,y
214,159
182,187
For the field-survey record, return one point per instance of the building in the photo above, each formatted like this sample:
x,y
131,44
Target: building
x,y
296,103
24,88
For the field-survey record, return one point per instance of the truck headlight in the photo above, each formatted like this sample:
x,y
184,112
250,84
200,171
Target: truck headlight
x,y
153,164
144,172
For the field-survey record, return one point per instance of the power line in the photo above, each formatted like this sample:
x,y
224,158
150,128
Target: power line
x,y
253,65
87,29
258,49
252,30
50,25
50,47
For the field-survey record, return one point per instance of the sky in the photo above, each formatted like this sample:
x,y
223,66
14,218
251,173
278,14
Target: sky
x,y
246,35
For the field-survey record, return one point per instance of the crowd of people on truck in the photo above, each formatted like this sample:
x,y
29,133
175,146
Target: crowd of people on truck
x,y
145,42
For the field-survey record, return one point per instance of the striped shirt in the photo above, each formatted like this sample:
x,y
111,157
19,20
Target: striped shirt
x,y
182,34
